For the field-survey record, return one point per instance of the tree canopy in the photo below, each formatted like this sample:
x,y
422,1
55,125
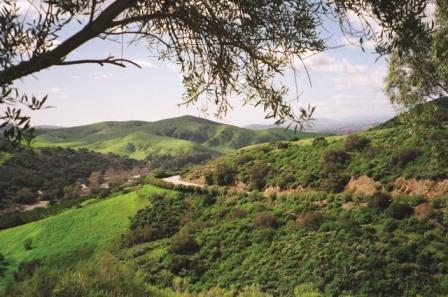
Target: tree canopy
x,y
421,73
224,48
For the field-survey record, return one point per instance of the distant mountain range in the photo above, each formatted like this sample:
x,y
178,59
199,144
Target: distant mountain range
x,y
187,137
329,126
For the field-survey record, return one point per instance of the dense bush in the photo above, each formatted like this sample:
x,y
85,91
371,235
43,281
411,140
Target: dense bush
x,y
142,234
184,244
320,142
25,196
334,182
404,156
161,219
26,269
258,173
28,244
266,219
334,160
222,175
379,200
175,163
400,210
309,218
356,143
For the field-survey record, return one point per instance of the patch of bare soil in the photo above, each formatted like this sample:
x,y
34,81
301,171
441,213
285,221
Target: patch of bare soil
x,y
271,191
423,211
177,180
35,205
363,185
348,206
423,187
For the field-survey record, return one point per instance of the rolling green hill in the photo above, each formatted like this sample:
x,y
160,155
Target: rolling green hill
x,y
73,234
192,138
382,154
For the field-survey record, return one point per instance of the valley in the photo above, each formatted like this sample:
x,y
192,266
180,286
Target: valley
x,y
323,216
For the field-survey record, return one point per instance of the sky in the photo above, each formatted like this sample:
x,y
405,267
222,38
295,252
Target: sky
x,y
347,83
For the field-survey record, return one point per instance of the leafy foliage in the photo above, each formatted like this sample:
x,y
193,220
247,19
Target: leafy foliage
x,y
50,170
360,252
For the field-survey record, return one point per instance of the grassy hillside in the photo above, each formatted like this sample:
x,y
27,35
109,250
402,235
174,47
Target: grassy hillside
x,y
185,136
72,235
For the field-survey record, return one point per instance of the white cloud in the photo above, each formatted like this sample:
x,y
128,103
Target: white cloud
x,y
345,74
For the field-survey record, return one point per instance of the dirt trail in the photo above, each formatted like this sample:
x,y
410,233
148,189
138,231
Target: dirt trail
x,y
176,180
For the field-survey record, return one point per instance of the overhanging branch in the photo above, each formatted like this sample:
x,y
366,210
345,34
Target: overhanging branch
x,y
108,60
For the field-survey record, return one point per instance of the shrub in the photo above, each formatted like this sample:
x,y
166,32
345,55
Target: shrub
x,y
25,196
163,216
26,269
223,174
142,234
178,264
356,143
130,147
425,258
334,160
404,156
184,244
320,142
389,225
28,244
310,218
266,219
266,235
399,210
334,182
257,175
379,200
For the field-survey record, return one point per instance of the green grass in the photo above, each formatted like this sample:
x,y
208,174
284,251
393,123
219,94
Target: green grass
x,y
78,230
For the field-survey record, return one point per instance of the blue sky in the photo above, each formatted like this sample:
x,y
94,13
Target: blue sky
x,y
346,83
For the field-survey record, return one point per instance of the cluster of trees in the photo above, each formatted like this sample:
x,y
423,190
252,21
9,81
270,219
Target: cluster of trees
x,y
55,173
167,163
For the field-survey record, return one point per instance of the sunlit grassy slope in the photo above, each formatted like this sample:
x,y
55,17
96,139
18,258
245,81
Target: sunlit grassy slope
x,y
177,136
76,232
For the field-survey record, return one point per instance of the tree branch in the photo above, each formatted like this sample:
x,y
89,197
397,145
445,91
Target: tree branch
x,y
108,60
56,56
141,18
